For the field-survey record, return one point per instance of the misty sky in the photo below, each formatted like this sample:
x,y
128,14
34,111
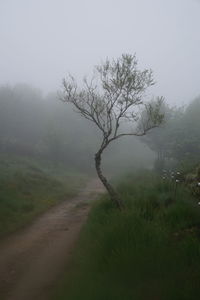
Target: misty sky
x,y
42,40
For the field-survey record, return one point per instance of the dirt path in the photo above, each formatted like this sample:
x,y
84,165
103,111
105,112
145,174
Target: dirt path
x,y
31,260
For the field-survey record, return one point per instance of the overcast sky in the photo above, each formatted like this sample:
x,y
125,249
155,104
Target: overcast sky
x,y
42,40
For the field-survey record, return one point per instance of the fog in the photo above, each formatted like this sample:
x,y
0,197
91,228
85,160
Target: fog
x,y
45,129
82,119
42,40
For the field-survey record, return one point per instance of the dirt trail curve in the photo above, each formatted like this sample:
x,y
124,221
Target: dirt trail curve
x,y
31,259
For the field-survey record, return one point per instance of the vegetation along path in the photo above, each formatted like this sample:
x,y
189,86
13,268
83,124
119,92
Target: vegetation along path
x,y
31,259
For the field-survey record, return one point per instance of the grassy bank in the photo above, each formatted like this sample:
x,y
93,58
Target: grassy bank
x,y
29,187
151,250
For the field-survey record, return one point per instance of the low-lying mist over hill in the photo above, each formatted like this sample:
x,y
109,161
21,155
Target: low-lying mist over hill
x,y
45,128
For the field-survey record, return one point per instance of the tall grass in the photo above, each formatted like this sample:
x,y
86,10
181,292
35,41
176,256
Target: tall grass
x,y
28,187
151,250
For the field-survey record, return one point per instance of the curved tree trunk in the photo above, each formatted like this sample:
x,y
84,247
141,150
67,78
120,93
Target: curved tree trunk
x,y
112,193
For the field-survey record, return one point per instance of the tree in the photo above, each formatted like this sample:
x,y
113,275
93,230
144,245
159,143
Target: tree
x,y
161,140
113,96
187,143
177,143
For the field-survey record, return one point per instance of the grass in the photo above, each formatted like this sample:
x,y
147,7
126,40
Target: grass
x,y
28,187
151,250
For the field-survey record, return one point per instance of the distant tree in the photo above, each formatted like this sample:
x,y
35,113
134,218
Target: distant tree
x,y
187,134
115,95
21,117
163,139
177,142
